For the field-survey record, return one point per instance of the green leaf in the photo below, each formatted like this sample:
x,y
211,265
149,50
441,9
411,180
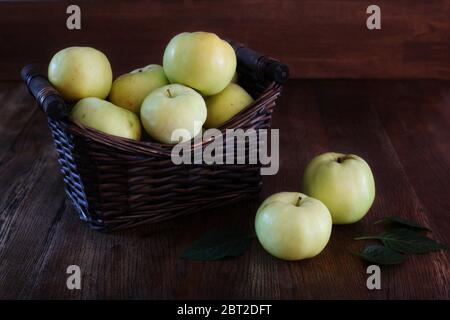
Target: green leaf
x,y
407,241
382,255
404,222
218,244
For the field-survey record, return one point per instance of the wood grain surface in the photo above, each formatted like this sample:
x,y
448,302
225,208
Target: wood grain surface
x,y
317,38
399,127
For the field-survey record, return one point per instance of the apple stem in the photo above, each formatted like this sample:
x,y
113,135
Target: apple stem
x,y
168,92
342,159
298,202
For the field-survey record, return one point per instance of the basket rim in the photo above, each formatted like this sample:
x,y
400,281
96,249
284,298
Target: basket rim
x,y
155,148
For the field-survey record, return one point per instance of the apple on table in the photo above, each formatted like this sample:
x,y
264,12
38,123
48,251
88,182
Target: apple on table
x,y
293,226
343,182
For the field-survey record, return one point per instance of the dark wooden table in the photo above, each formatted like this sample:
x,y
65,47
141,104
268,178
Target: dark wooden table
x,y
402,128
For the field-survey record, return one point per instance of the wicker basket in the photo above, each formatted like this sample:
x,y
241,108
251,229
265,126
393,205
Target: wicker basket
x,y
115,183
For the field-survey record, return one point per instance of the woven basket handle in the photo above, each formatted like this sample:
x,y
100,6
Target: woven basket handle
x,y
46,96
260,64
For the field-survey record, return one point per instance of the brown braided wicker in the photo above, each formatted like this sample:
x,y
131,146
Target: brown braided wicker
x,y
115,183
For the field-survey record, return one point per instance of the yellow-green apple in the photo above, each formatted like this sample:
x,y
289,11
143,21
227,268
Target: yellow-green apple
x,y
106,117
343,182
170,108
293,226
80,72
129,90
226,104
200,60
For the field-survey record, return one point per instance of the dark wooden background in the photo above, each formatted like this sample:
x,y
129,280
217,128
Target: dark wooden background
x,y
317,38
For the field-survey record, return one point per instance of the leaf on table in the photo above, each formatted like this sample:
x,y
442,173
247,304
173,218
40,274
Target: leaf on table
x,y
410,242
218,244
382,255
404,222
407,241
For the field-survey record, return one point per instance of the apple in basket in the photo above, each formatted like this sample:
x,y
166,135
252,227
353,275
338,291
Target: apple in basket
x,y
170,108
106,117
129,90
200,60
226,104
80,72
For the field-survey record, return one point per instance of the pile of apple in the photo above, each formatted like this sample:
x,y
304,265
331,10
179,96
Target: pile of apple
x,y
194,88
337,189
